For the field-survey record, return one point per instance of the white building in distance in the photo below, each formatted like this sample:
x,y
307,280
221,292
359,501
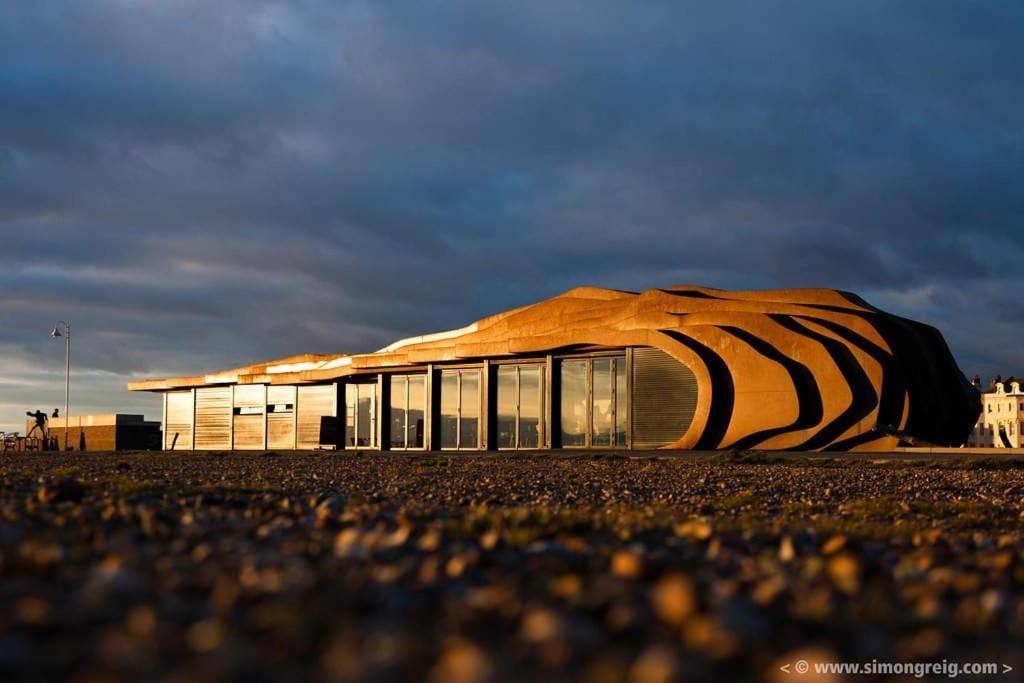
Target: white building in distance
x,y
1002,415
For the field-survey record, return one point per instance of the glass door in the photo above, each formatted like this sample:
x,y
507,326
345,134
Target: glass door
x,y
408,408
519,410
593,402
361,415
460,409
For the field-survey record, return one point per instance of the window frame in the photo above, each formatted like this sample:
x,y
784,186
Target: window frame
x,y
406,379
614,358
459,372
539,367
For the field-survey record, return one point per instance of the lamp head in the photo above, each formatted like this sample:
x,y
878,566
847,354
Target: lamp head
x,y
56,333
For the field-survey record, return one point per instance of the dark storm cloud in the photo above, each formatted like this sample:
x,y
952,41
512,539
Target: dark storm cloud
x,y
199,185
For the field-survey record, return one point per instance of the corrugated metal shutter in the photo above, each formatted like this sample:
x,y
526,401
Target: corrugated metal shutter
x,y
664,398
213,419
314,402
250,412
179,421
281,422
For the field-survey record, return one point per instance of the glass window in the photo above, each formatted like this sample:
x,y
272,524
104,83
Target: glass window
x,y
460,408
530,384
399,399
573,375
416,410
449,409
408,406
361,415
364,420
469,409
602,402
506,413
350,415
593,402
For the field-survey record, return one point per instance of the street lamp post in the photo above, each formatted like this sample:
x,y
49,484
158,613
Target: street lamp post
x,y
56,334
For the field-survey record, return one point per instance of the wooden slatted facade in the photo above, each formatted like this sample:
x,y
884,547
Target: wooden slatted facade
x,y
249,431
664,398
281,417
213,419
314,402
179,413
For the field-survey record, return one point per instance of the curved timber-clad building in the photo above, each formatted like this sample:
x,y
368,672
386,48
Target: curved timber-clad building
x,y
683,367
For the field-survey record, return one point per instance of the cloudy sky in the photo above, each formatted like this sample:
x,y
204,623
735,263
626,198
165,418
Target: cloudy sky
x,y
197,184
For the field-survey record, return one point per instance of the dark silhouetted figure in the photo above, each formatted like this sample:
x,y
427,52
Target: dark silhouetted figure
x,y
56,412
40,424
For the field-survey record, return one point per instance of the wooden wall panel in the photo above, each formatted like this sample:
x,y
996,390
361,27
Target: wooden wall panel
x,y
281,422
312,403
250,426
213,419
664,398
180,407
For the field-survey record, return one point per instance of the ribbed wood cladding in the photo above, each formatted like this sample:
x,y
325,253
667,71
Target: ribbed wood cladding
x,y
664,398
250,427
213,419
314,402
799,369
178,427
281,417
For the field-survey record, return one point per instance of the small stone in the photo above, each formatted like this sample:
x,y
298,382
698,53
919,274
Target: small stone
x,y
673,598
696,528
461,662
833,544
844,570
205,636
429,541
330,508
786,550
457,565
489,540
32,610
140,620
347,542
541,625
65,490
627,564
657,664
567,587
766,591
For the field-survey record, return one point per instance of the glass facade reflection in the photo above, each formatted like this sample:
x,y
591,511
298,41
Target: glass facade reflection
x,y
469,409
450,409
408,408
520,399
590,409
416,413
505,437
593,402
603,402
531,392
361,415
460,409
573,402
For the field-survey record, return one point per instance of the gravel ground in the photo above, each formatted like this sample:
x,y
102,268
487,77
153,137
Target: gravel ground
x,y
474,568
